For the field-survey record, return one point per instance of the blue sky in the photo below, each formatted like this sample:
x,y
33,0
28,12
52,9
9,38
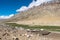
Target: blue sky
x,y
8,7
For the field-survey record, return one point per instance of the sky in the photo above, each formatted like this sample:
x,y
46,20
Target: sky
x,y
10,7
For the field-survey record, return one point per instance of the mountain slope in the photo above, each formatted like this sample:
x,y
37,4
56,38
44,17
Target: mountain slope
x,y
45,14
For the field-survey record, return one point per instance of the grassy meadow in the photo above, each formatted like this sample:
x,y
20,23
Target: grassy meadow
x,y
50,28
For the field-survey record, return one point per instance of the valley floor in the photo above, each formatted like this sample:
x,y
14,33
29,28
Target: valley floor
x,y
8,33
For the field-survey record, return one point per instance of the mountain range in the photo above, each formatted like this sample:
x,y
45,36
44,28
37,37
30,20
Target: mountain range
x,y
45,14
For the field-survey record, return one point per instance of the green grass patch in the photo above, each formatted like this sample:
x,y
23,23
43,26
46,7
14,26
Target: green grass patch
x,y
51,28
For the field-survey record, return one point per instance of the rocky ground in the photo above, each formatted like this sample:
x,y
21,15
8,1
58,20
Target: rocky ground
x,y
10,33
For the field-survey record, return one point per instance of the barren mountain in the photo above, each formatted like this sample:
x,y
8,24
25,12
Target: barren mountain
x,y
46,14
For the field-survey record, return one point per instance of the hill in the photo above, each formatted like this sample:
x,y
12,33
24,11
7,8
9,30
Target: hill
x,y
45,14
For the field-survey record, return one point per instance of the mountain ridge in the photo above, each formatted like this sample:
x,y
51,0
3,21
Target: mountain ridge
x,y
45,14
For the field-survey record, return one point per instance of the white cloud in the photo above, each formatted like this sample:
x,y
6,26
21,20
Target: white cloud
x,y
23,8
6,17
32,4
